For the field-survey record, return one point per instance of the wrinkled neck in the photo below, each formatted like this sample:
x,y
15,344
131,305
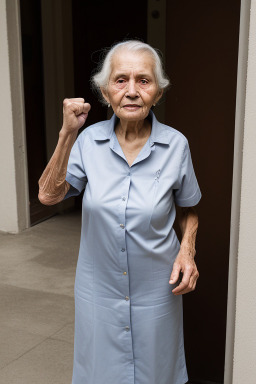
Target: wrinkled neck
x,y
133,130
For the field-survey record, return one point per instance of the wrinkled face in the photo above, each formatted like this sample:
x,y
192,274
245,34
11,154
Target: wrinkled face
x,y
132,88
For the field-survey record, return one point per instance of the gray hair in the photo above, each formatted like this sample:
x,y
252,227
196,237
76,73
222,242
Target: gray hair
x,y
101,78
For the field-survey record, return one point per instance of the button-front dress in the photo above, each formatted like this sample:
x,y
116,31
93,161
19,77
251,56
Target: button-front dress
x,y
128,323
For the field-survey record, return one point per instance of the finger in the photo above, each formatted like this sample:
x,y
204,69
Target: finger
x,y
194,286
187,290
179,288
83,115
79,108
195,281
185,280
175,273
191,286
77,99
181,292
187,274
67,101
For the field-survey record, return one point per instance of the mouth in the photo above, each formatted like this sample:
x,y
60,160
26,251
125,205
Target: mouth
x,y
132,107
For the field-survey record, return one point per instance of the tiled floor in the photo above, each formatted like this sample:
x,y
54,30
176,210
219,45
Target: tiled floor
x,y
37,272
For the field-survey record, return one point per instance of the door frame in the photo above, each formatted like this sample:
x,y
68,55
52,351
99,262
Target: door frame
x,y
244,34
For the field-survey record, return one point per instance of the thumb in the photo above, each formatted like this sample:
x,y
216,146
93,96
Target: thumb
x,y
86,107
175,273
82,117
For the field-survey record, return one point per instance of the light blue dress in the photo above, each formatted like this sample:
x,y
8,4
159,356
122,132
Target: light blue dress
x,y
128,323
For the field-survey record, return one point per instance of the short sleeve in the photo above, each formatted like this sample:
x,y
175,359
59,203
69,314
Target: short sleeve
x,y
188,194
76,175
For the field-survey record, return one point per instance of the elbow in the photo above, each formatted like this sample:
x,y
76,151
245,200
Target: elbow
x,y
53,198
47,200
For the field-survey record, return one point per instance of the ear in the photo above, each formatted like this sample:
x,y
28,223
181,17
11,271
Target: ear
x,y
160,94
105,94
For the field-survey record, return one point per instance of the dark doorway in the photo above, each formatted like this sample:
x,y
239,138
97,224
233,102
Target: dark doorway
x,y
30,11
201,60
98,24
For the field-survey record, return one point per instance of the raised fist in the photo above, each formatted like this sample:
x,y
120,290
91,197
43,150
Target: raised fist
x,y
75,112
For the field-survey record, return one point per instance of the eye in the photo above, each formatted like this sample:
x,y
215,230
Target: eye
x,y
120,81
144,81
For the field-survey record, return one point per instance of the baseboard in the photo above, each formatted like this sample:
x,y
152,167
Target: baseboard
x,y
203,382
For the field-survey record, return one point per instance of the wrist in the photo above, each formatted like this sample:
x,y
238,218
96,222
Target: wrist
x,y
188,246
65,133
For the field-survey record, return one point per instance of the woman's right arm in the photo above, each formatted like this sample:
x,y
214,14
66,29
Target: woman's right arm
x,y
52,184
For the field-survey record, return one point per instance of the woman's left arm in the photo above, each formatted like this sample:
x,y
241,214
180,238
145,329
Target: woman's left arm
x,y
184,262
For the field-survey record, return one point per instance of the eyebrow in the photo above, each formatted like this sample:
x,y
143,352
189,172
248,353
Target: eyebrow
x,y
121,74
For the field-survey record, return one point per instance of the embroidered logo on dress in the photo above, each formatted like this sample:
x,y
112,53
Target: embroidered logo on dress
x,y
157,175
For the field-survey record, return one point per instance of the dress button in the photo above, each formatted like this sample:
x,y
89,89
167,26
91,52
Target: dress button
x,y
124,273
123,249
127,328
126,298
123,198
122,225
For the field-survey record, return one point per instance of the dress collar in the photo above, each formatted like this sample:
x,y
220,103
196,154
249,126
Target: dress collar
x,y
159,132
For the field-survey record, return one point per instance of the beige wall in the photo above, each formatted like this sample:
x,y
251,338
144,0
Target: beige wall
x,y
244,368
14,215
241,315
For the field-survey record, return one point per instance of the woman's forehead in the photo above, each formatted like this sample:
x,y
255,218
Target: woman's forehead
x,y
125,61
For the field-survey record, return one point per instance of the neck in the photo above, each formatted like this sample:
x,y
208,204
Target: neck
x,y
132,130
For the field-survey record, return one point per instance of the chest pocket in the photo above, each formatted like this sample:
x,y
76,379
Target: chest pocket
x,y
155,188
155,191
162,200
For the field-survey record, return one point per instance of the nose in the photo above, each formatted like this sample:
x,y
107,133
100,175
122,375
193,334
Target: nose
x,y
131,89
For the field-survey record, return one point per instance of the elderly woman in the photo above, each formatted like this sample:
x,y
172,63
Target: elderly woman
x,y
128,296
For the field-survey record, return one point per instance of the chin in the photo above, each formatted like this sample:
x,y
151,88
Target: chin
x,y
133,116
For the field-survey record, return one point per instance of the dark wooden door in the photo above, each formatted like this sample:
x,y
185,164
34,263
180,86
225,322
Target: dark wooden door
x,y
31,34
201,60
96,25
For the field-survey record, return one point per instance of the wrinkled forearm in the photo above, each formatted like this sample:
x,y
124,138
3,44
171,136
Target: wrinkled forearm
x,y
52,184
188,221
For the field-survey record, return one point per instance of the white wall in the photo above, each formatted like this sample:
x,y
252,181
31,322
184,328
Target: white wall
x,y
244,370
14,212
240,364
